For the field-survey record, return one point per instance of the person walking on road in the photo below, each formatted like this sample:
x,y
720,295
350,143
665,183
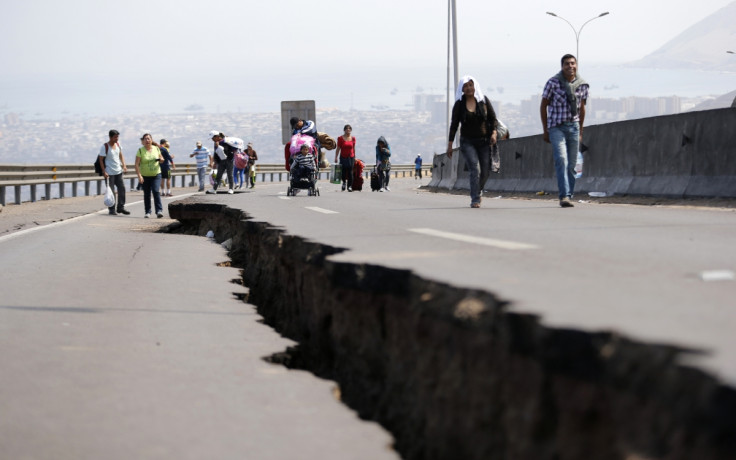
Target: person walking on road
x,y
346,153
418,167
240,165
224,157
478,133
148,161
563,112
113,167
383,163
204,158
166,167
252,158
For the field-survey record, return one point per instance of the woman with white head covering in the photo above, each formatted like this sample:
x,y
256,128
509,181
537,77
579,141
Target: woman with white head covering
x,y
478,133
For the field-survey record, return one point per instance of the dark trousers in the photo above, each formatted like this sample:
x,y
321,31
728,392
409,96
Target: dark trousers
x,y
152,184
222,167
117,182
346,164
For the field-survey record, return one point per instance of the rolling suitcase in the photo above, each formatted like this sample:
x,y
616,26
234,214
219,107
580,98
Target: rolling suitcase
x,y
375,181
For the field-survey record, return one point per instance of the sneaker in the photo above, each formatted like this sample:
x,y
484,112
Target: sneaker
x,y
112,213
230,192
380,190
566,203
211,191
475,205
350,189
388,189
201,190
124,211
343,186
148,214
159,214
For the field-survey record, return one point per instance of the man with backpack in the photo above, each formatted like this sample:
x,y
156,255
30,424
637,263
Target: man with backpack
x,y
112,164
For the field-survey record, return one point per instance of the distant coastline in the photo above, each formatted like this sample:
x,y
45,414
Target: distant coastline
x,y
36,98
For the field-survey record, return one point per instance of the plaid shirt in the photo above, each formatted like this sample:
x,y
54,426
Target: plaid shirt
x,y
558,110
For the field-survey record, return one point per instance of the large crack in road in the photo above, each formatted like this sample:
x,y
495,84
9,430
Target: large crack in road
x,y
455,373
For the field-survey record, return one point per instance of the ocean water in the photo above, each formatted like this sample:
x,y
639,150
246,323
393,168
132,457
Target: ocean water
x,y
53,97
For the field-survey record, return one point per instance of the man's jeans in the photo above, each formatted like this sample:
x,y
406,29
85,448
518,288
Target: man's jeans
x,y
565,139
477,155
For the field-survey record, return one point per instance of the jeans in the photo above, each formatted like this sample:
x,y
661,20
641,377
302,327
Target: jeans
x,y
384,172
477,155
201,174
152,184
222,166
117,182
238,176
346,164
565,139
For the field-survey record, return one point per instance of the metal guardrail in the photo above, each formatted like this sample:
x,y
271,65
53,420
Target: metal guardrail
x,y
57,176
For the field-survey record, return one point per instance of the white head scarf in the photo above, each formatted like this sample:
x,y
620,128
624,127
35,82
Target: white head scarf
x,y
465,79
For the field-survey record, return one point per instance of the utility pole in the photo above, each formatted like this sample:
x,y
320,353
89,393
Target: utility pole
x,y
451,52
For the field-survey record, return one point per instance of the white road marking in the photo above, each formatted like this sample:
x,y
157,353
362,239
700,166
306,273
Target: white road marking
x,y
73,219
717,275
322,210
284,198
502,244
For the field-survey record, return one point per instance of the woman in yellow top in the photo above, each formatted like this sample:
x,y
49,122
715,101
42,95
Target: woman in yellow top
x,y
148,161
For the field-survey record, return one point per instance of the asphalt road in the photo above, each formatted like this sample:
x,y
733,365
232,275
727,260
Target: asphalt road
x,y
157,359
120,343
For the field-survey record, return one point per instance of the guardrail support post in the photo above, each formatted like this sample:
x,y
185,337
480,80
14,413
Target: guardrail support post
x,y
2,195
74,189
86,188
99,187
33,193
62,192
47,191
17,194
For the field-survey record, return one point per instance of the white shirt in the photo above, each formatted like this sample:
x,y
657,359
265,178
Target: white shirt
x,y
113,165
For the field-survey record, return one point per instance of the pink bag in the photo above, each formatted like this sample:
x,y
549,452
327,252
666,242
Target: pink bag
x,y
297,140
241,160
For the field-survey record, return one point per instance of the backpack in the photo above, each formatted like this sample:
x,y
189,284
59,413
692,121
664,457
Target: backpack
x,y
98,169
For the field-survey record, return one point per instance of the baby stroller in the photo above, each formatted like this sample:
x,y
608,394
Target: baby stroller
x,y
304,169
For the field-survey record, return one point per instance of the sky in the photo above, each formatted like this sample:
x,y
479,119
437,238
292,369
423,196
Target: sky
x,y
281,46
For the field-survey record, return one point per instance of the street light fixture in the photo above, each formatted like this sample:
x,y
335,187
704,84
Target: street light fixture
x,y
577,32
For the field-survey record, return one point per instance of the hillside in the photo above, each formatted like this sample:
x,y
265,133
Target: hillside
x,y
702,46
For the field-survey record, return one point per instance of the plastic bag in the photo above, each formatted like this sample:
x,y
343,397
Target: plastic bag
x,y
297,140
109,198
579,166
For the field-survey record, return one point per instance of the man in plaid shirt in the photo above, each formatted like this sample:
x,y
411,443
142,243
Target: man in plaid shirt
x,y
563,113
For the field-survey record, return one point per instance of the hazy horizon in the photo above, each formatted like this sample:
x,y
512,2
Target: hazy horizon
x,y
92,57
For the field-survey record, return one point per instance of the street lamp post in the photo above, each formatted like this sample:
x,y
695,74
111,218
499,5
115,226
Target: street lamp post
x,y
577,32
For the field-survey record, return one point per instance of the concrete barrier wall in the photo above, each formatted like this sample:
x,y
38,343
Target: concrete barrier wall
x,y
690,154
